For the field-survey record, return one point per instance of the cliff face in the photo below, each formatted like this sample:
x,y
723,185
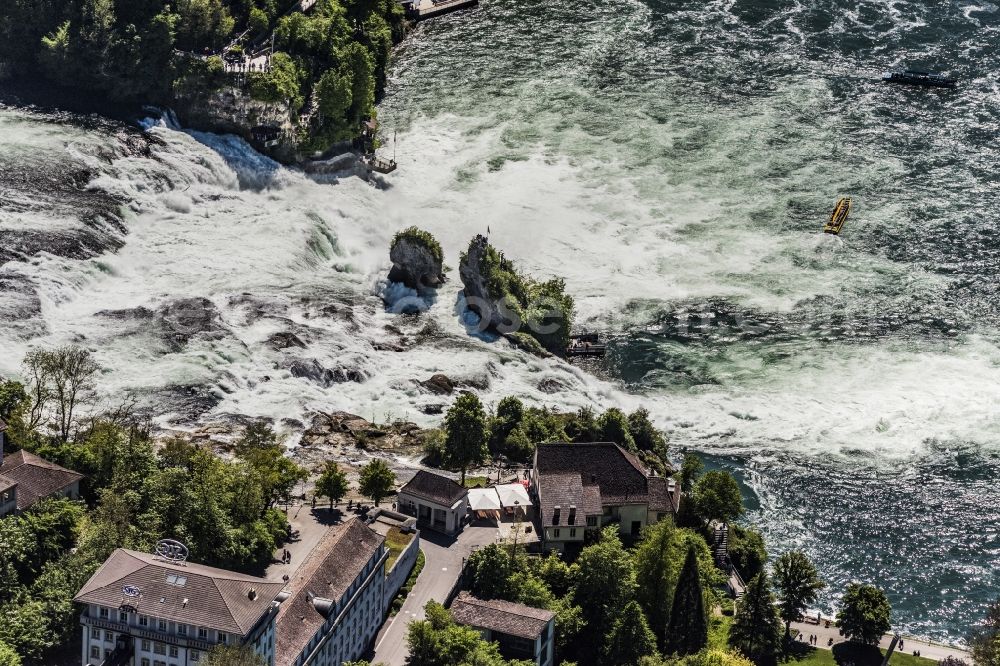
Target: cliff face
x,y
415,265
230,109
476,291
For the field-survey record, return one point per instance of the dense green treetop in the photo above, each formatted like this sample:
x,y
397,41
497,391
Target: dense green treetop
x,y
756,630
377,480
717,496
798,585
332,483
466,433
865,614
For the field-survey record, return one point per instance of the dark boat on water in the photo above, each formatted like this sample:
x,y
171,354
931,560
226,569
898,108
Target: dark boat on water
x,y
914,77
586,344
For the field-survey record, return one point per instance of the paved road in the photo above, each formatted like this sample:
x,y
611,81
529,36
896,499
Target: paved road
x,y
933,651
442,566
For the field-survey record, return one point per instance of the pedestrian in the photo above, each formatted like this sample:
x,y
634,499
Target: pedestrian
x,y
900,643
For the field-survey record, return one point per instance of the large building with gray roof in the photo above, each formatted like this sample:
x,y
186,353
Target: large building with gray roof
x,y
582,487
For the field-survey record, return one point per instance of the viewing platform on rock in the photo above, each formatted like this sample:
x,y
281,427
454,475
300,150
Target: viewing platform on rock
x,y
419,10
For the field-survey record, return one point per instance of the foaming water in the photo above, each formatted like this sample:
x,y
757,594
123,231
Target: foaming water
x,y
673,161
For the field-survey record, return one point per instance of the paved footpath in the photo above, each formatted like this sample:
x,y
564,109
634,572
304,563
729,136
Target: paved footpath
x,y
935,651
443,560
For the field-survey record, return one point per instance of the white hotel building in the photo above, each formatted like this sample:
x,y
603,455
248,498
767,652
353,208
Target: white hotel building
x,y
145,610
158,610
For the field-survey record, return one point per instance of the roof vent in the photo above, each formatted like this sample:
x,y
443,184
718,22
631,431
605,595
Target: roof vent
x,y
252,594
184,603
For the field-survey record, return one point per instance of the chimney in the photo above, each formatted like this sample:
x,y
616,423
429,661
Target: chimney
x,y
572,515
555,515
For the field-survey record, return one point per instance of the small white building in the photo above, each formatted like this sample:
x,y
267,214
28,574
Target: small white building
x,y
521,632
158,610
435,501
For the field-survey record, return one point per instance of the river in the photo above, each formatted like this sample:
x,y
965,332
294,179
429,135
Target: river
x,y
672,160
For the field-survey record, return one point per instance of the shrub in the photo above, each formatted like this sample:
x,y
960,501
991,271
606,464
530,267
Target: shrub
x,y
420,238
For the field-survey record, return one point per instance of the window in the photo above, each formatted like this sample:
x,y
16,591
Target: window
x,y
182,629
161,625
109,637
145,646
223,637
159,648
195,655
103,612
591,521
177,580
572,533
95,633
555,533
203,633
143,621
123,617
95,652
173,651
144,661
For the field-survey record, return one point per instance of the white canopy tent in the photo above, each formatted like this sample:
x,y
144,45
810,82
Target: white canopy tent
x,y
513,494
484,499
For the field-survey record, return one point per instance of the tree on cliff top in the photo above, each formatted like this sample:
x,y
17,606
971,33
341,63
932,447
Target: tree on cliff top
x,y
717,497
278,85
466,433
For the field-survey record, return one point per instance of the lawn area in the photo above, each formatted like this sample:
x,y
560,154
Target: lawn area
x,y
476,481
396,541
718,631
849,653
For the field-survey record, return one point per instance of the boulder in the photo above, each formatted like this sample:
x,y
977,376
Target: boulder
x,y
312,370
439,384
416,262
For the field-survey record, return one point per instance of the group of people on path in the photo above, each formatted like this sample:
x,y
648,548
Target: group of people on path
x,y
814,640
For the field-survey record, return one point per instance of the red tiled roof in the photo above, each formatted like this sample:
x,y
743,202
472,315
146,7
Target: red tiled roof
x,y
209,597
504,617
35,477
329,570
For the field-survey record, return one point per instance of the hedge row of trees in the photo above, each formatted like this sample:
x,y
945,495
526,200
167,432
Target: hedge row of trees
x,y
472,436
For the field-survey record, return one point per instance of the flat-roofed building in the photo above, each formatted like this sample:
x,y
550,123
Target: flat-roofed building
x,y
337,599
158,610
521,632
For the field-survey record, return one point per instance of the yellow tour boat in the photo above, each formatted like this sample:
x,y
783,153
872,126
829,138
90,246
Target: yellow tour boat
x,y
839,216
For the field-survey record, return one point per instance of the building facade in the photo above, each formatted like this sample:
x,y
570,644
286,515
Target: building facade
x,y
26,478
337,600
582,487
521,632
435,501
145,609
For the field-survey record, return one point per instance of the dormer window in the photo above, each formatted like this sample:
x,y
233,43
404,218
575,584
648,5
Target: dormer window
x,y
555,514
